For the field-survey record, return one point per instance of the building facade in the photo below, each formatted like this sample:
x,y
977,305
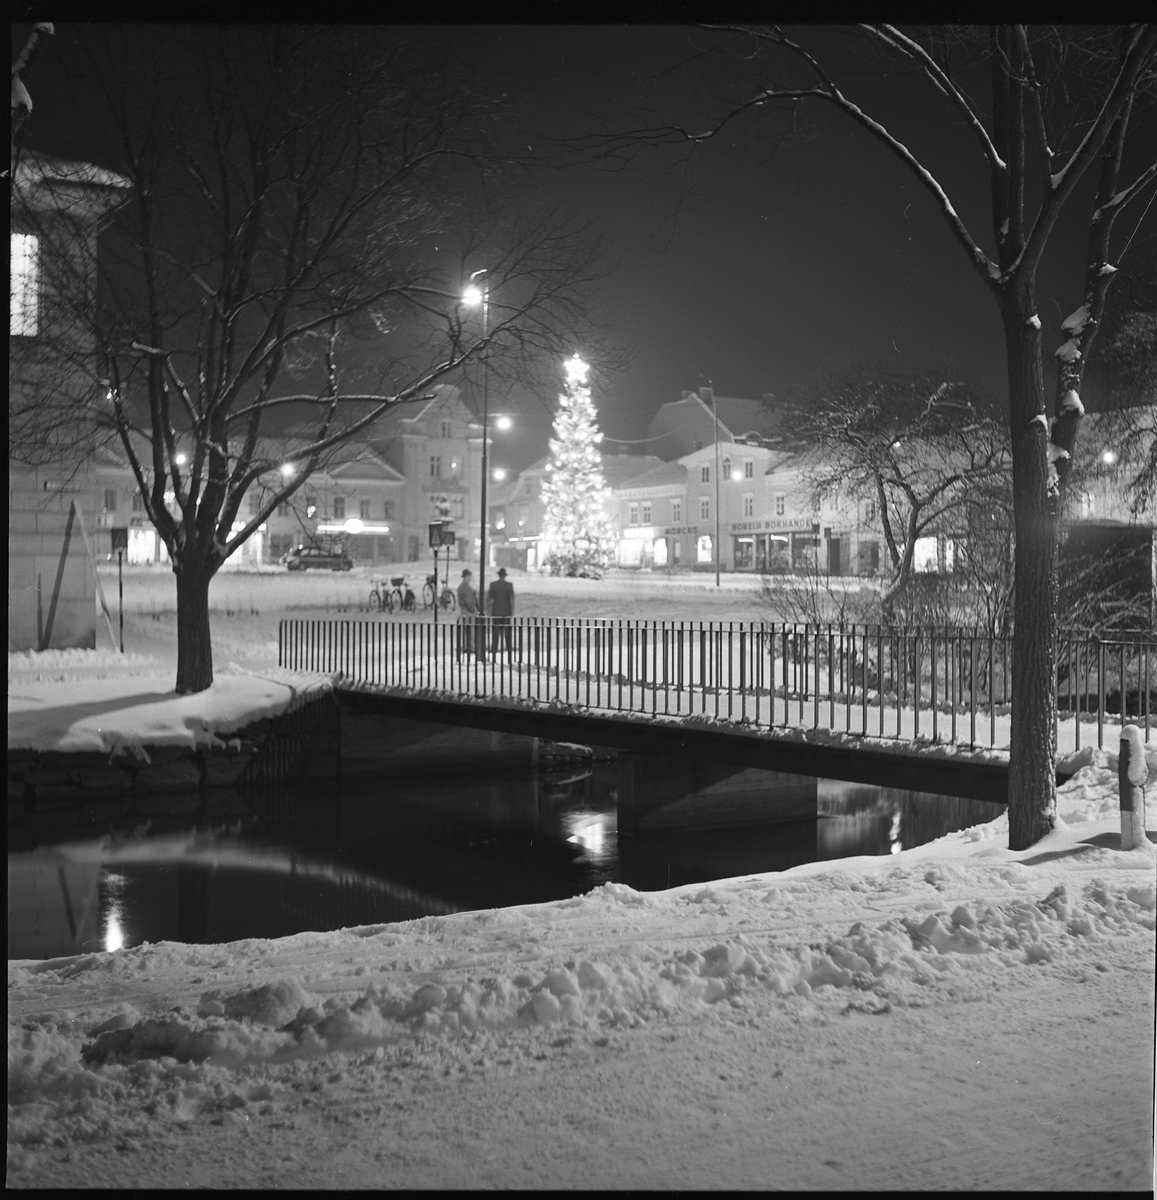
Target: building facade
x,y
58,208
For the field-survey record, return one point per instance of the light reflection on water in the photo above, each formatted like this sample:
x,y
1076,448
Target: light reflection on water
x,y
277,862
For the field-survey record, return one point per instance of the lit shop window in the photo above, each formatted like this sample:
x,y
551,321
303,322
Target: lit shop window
x,y
24,286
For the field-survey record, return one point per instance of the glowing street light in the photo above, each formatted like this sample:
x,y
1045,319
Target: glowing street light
x,y
475,295
499,474
1109,457
181,459
353,525
503,422
288,470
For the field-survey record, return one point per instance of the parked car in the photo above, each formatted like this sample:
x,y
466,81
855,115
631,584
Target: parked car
x,y
302,558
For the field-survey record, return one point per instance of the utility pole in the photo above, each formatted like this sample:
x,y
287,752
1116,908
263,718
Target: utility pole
x,y
718,547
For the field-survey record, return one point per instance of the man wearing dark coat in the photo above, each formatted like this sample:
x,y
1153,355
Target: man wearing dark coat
x,y
500,607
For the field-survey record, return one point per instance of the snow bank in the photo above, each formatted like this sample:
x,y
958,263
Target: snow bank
x,y
76,711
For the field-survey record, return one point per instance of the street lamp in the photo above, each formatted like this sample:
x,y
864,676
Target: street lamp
x,y
473,295
715,416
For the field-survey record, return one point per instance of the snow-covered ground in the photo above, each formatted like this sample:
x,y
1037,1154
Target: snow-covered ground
x,y
953,1016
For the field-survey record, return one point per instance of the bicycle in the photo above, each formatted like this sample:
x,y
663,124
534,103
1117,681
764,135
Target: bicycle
x,y
381,597
428,591
403,601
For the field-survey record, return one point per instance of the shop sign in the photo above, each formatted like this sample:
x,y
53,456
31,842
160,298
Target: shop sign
x,y
673,529
769,523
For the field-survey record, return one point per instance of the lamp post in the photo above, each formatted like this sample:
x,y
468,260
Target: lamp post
x,y
715,414
481,295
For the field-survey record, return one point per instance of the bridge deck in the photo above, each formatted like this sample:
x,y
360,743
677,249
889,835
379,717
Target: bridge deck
x,y
867,761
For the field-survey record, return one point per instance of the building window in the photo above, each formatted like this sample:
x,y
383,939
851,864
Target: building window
x,y
779,505
364,509
435,466
632,514
339,506
254,503
138,501
727,468
749,468
646,512
704,474
523,514
870,510
110,499
447,429
704,509
749,506
676,511
283,509
458,507
24,286
388,510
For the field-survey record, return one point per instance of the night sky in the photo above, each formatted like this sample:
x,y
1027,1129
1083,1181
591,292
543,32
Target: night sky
x,y
750,262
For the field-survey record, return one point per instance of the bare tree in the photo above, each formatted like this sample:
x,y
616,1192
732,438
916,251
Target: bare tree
x,y
916,448
291,260
1038,109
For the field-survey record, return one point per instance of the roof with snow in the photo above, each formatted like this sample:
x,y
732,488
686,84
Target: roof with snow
x,y
664,474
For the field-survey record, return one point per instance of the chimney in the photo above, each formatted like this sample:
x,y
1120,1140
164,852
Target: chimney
x,y
706,395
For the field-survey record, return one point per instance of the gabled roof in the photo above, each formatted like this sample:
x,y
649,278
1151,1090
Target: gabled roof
x,y
689,423
662,475
619,469
403,418
366,465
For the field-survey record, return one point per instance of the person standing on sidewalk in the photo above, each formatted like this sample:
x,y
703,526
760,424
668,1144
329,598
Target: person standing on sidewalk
x,y
468,608
500,606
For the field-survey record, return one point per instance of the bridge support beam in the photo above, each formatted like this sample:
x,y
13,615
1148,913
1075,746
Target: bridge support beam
x,y
664,793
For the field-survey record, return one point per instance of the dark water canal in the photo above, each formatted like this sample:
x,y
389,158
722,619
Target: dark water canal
x,y
276,861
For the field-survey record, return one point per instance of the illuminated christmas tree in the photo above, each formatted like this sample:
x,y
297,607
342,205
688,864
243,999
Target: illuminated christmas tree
x,y
576,527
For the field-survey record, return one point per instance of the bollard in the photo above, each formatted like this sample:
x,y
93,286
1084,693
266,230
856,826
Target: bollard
x,y
1132,771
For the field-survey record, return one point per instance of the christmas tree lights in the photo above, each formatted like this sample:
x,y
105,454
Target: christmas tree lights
x,y
576,528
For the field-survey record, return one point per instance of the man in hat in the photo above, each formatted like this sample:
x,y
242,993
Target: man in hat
x,y
500,606
468,607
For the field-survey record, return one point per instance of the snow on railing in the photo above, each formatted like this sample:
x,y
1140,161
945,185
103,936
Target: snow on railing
x,y
948,685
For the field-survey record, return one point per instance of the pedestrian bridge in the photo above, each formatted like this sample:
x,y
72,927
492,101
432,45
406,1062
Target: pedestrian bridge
x,y
918,708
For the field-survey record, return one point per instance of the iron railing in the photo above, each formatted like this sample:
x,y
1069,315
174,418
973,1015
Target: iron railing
x,y
950,685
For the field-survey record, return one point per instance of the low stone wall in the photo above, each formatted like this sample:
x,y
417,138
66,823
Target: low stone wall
x,y
303,744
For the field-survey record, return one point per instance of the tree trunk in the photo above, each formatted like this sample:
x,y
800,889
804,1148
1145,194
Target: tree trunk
x,y
1032,762
194,647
